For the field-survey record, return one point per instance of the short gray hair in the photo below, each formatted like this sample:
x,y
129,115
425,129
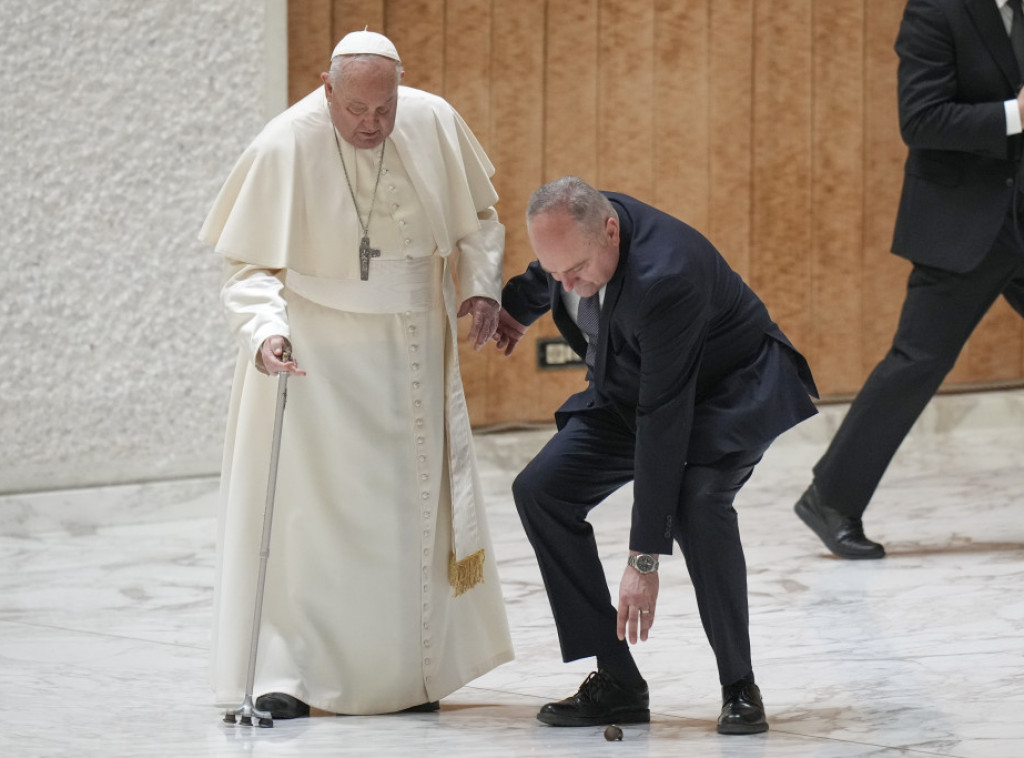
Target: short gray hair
x,y
584,204
339,62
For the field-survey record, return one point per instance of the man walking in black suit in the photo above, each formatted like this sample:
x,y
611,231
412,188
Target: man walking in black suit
x,y
959,222
689,383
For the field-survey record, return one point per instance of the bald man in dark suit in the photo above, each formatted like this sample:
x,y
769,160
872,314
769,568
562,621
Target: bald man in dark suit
x,y
689,382
959,222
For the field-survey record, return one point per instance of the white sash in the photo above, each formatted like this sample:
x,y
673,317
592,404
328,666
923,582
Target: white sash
x,y
394,286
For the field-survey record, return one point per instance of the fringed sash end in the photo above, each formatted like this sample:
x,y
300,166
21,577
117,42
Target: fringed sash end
x,y
466,574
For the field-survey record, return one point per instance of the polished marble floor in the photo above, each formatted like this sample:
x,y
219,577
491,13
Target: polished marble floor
x,y
105,608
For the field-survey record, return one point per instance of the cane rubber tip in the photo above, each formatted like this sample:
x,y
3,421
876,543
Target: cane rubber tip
x,y
612,733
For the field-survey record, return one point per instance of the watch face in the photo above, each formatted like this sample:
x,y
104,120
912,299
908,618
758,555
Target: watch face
x,y
645,563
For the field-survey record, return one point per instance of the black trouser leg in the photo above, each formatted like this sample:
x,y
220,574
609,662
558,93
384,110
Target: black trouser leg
x,y
940,311
707,530
581,465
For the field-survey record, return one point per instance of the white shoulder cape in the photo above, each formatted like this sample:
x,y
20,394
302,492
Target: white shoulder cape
x,y
276,208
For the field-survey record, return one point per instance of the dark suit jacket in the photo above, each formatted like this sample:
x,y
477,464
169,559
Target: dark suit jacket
x,y
687,357
956,69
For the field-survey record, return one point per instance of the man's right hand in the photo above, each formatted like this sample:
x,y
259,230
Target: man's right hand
x,y
508,333
275,357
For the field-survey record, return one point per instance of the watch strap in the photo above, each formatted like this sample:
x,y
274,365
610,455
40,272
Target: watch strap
x,y
645,563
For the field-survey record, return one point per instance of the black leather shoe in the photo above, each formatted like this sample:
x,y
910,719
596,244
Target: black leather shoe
x,y
601,699
432,707
842,534
742,710
282,706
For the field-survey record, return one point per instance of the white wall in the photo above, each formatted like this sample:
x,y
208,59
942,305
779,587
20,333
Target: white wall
x,y
119,120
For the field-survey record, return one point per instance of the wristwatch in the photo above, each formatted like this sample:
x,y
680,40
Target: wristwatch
x,y
645,563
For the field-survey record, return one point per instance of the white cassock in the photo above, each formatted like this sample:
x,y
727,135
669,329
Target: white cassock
x,y
381,589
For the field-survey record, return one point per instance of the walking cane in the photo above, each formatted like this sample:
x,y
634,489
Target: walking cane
x,y
247,711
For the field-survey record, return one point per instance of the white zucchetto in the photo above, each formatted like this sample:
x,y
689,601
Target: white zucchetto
x,y
366,43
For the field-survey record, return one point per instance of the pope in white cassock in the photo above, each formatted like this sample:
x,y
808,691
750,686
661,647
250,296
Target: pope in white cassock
x,y
343,228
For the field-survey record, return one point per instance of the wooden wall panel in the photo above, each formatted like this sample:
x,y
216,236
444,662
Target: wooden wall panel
x,y
520,392
310,42
417,27
353,15
570,101
770,126
681,146
626,98
837,194
883,276
467,63
781,214
570,98
730,136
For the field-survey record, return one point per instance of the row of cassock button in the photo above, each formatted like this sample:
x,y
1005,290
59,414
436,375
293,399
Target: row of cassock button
x,y
402,223
424,478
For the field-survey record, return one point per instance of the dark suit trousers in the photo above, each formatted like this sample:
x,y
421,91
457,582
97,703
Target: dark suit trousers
x,y
939,313
591,457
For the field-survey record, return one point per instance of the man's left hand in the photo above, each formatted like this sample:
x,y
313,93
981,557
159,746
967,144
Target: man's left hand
x,y
485,319
638,596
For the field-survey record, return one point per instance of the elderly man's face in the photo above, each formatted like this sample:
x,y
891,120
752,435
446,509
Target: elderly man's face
x,y
364,102
579,259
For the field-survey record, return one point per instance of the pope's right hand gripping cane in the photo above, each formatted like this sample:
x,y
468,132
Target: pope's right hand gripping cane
x,y
245,713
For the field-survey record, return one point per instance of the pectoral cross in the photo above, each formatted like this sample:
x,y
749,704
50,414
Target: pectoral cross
x,y
365,253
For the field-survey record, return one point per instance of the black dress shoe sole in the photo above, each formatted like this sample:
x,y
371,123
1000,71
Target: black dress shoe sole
x,y
811,519
742,728
282,706
432,707
624,716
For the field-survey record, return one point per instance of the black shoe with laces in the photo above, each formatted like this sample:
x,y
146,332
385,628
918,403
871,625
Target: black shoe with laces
x,y
601,699
742,710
